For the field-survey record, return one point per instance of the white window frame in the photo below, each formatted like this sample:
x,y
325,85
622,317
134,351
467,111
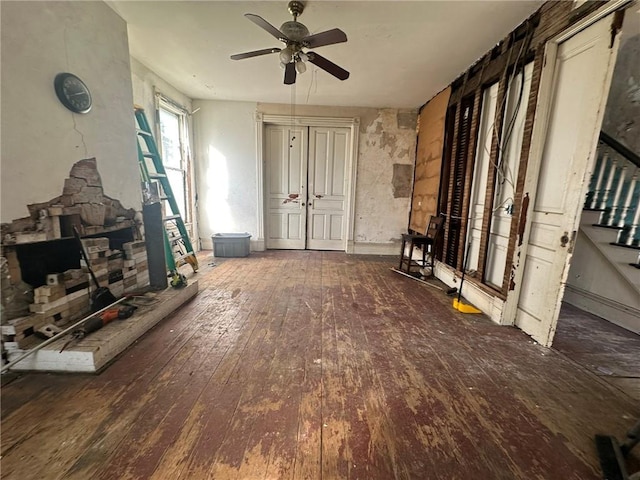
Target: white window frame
x,y
164,103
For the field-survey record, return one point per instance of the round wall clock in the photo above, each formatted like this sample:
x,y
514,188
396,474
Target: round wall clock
x,y
72,92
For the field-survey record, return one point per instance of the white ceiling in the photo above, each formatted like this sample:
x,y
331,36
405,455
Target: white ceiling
x,y
399,53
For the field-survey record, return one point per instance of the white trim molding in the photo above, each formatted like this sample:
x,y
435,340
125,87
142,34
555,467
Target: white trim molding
x,y
624,316
259,243
368,248
606,9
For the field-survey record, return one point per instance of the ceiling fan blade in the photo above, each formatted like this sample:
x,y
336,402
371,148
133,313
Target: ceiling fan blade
x,y
255,53
325,38
290,73
262,23
328,66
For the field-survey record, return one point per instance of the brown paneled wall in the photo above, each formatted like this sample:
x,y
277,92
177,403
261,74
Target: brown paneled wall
x,y
524,44
426,183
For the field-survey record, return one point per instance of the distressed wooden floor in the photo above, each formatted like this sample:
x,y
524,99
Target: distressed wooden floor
x,y
311,365
609,351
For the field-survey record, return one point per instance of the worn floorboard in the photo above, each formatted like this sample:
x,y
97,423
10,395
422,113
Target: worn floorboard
x,y
609,351
316,365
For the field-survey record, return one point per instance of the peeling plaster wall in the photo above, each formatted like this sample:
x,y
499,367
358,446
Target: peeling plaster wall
x,y
387,138
622,114
225,158
41,139
145,82
380,217
402,180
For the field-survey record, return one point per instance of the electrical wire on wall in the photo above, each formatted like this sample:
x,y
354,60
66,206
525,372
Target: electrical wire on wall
x,y
314,81
73,116
504,175
503,172
293,115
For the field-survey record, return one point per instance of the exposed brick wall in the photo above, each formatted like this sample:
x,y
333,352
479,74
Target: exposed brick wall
x,y
525,43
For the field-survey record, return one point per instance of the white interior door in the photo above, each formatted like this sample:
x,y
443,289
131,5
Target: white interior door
x,y
286,179
582,69
513,132
328,177
480,173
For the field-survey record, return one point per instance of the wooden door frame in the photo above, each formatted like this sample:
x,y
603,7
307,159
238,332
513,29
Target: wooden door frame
x,y
353,123
538,140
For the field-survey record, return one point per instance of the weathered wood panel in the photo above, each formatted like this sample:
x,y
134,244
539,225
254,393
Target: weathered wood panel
x,y
426,184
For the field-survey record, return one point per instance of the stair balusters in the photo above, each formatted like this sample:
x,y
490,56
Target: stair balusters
x,y
615,205
607,189
631,237
604,163
615,190
628,199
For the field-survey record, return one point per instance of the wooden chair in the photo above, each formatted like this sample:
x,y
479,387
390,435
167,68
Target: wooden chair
x,y
427,242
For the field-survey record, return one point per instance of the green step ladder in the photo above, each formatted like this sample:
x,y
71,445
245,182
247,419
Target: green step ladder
x,y
177,245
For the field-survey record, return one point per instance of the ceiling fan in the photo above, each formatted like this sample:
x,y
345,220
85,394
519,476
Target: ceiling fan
x,y
296,38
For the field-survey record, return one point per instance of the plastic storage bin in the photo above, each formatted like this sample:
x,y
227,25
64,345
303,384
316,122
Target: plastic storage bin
x,y
230,244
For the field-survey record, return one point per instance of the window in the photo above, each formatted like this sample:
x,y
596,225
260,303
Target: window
x,y
481,171
174,144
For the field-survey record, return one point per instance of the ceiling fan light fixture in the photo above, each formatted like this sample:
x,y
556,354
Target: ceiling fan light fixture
x,y
295,37
286,55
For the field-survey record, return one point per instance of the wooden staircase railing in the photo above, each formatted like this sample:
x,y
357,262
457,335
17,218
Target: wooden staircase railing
x,y
615,190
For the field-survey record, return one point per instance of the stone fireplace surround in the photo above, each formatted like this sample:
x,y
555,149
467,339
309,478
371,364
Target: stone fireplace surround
x,y
43,242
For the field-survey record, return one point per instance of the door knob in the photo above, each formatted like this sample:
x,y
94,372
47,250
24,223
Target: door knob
x,y
564,239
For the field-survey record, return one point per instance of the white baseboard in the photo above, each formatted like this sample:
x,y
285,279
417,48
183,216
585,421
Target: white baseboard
x,y
622,315
490,305
254,245
206,243
366,248
257,245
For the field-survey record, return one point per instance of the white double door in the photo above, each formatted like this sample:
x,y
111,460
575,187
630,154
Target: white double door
x,y
306,187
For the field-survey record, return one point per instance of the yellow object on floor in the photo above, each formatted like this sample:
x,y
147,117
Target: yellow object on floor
x,y
464,308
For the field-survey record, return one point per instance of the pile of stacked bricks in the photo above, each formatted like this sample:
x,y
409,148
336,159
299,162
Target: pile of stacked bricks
x,y
136,268
67,296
